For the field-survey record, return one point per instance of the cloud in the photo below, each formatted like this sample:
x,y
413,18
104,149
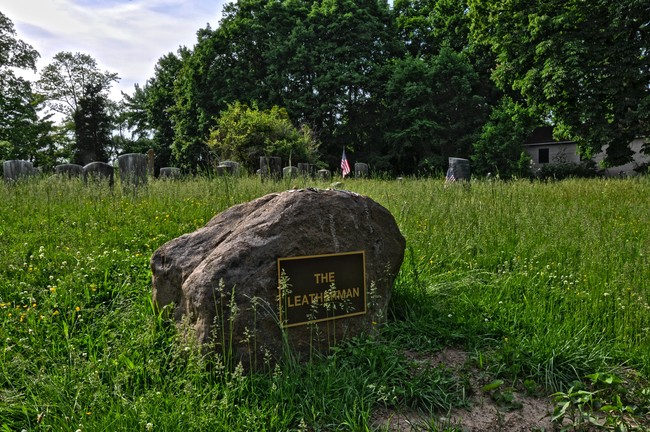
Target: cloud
x,y
123,36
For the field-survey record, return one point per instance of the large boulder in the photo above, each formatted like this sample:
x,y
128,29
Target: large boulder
x,y
222,281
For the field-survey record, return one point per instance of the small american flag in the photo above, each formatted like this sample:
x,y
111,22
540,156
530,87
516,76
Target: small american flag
x,y
450,178
345,166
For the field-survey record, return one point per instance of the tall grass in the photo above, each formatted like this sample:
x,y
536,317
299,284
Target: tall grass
x,y
541,281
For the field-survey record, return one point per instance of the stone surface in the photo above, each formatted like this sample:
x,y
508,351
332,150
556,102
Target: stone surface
x,y
69,170
232,261
460,168
290,172
16,169
133,169
304,169
235,167
151,162
271,167
98,171
324,174
361,170
170,173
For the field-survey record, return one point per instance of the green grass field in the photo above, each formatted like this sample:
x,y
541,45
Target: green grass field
x,y
547,285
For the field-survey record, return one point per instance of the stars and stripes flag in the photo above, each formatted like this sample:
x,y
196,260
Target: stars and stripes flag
x,y
450,178
345,166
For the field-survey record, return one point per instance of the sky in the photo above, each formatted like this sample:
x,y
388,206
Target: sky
x,y
124,36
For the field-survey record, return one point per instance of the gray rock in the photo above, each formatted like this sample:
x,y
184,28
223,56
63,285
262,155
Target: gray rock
x,y
223,278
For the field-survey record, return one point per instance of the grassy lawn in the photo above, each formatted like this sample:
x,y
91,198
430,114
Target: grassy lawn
x,y
546,285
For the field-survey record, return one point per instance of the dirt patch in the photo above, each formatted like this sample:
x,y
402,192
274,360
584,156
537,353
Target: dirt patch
x,y
488,411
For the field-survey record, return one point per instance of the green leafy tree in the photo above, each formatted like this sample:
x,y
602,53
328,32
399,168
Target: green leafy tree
x,y
245,133
498,148
93,126
585,64
69,77
23,133
436,111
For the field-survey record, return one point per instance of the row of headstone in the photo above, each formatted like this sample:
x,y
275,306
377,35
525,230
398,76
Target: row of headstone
x,y
270,168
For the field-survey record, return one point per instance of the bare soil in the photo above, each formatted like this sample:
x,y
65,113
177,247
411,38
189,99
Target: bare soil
x,y
486,413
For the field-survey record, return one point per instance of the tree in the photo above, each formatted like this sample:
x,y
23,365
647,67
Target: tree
x,y
436,111
92,126
584,63
22,133
498,148
245,133
66,80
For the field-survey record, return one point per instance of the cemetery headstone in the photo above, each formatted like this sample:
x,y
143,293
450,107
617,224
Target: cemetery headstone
x,y
133,169
14,170
325,175
151,163
99,171
316,266
170,173
459,168
234,166
304,169
290,172
361,170
222,170
69,170
270,167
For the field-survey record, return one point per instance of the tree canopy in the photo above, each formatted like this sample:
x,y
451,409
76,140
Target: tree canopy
x,y
245,133
585,65
402,86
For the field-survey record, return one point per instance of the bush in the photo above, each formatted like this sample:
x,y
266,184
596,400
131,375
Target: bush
x,y
559,171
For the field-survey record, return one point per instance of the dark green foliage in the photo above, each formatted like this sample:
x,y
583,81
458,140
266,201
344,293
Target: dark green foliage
x,y
559,171
498,150
585,64
92,127
244,134
23,135
436,111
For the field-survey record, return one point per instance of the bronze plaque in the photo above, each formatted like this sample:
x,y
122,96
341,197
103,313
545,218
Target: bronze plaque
x,y
321,287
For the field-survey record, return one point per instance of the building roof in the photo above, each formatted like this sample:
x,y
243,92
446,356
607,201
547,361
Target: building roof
x,y
543,135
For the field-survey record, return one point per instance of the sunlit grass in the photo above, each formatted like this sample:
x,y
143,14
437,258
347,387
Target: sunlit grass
x,y
541,281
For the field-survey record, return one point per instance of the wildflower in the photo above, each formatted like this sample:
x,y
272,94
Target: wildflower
x,y
149,426
77,308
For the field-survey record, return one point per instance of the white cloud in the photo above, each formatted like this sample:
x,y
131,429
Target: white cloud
x,y
123,36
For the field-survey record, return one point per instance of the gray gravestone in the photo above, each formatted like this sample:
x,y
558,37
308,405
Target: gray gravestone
x,y
361,170
99,171
151,162
223,170
133,169
224,278
69,170
234,167
170,173
14,170
304,170
324,174
290,172
459,168
270,167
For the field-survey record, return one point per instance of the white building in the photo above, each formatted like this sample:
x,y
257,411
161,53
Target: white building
x,y
544,149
